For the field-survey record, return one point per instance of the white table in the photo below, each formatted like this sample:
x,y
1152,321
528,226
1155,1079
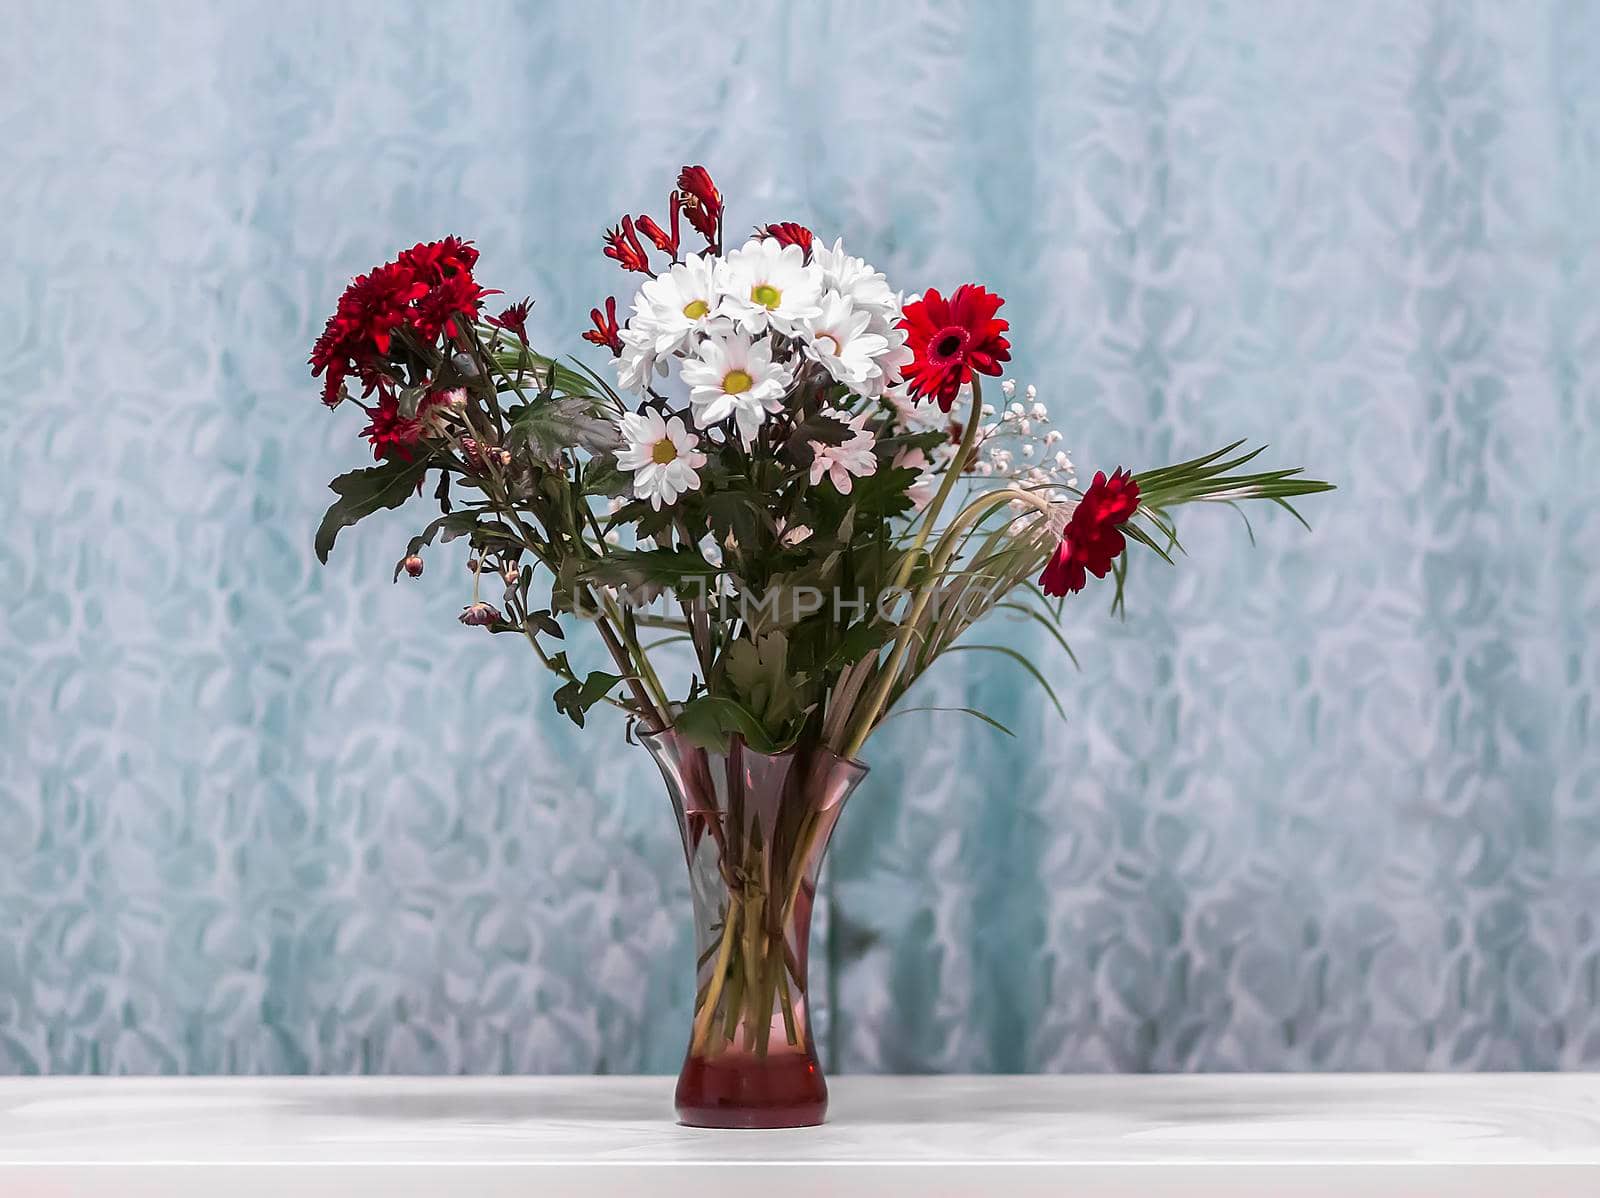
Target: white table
x,y
1530,1136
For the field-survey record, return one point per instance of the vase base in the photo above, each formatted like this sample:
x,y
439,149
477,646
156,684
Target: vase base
x,y
736,1091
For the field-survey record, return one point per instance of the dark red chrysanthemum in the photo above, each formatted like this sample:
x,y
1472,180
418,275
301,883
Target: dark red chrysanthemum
x,y
951,339
361,327
391,434
1093,537
606,331
702,203
622,245
514,319
423,288
787,232
456,295
434,261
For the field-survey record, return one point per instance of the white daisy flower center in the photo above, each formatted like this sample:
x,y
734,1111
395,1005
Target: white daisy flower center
x,y
736,382
766,295
695,309
831,340
664,451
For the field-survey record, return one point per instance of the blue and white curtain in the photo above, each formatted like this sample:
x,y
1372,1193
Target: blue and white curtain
x,y
1328,802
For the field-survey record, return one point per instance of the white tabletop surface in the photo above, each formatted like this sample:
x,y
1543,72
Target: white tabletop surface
x,y
1493,1134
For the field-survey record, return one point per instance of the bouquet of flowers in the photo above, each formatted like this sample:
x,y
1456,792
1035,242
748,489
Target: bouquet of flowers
x,y
790,470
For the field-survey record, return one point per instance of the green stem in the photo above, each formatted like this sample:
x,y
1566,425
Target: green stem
x,y
974,511
958,464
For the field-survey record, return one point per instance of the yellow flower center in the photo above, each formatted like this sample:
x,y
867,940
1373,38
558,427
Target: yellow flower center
x,y
736,382
831,340
766,295
663,451
695,309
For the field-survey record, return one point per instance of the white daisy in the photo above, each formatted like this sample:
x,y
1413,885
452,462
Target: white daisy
x,y
682,302
844,463
896,353
768,285
638,356
839,339
734,376
663,456
865,287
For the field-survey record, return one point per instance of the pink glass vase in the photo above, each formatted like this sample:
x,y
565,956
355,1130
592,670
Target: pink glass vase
x,y
755,827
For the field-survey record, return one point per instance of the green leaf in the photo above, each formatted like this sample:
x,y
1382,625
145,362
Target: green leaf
x,y
858,641
604,477
550,426
544,622
452,525
645,572
1049,626
826,430
758,670
362,492
736,513
709,721
972,711
1020,660
575,698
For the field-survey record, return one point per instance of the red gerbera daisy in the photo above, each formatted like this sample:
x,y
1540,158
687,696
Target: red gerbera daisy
x,y
951,339
1093,537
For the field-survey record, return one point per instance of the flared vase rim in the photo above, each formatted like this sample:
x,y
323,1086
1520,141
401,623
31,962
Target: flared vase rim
x,y
854,763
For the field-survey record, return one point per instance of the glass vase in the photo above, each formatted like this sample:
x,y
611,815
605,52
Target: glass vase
x,y
755,827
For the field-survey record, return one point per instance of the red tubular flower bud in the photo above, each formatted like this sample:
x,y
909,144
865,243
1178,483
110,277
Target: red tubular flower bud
x,y
702,203
666,242
606,331
622,245
413,565
514,320
787,232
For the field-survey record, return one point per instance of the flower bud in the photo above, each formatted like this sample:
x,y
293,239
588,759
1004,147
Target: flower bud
x,y
413,565
480,614
511,574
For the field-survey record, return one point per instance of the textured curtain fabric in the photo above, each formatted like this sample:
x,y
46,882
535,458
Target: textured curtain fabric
x,y
1330,802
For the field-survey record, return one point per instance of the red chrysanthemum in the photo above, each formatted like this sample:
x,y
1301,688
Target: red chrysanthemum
x,y
391,434
1093,537
434,261
951,339
787,232
702,204
457,295
423,287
